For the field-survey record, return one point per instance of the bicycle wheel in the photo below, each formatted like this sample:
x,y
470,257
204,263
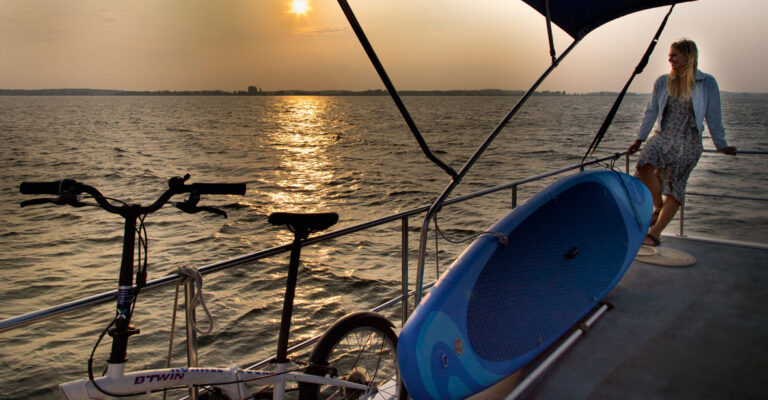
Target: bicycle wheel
x,y
362,348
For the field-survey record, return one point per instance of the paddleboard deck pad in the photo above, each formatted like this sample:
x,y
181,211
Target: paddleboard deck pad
x,y
499,306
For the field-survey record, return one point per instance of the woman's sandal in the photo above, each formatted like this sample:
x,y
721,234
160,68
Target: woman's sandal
x,y
654,240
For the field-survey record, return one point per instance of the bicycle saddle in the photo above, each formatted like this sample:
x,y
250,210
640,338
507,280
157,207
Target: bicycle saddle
x,y
302,224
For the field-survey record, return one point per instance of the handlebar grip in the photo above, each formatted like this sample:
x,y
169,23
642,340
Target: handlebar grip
x,y
53,188
219,188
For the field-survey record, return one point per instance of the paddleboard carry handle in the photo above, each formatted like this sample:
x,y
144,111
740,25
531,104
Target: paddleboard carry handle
x,y
572,253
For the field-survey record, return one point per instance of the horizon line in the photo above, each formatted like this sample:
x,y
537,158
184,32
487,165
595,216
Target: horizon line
x,y
283,92
301,92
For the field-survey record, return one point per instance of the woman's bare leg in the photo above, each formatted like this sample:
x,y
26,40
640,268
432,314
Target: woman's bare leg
x,y
666,208
647,175
668,211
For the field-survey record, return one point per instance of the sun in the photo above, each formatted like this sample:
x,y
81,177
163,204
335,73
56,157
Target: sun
x,y
299,7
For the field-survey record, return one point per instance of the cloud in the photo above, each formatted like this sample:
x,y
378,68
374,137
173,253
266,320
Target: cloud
x,y
321,30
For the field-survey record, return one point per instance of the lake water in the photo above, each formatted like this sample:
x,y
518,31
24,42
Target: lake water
x,y
352,155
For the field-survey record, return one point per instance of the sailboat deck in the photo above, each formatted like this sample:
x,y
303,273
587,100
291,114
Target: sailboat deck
x,y
675,333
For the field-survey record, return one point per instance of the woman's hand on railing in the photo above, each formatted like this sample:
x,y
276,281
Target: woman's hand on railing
x,y
730,150
635,146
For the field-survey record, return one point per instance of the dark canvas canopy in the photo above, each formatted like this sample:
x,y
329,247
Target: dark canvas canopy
x,y
579,17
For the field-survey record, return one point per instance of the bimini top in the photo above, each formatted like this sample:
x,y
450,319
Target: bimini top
x,y
579,17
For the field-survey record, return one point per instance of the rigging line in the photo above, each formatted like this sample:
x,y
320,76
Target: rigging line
x,y
437,250
638,70
629,198
358,29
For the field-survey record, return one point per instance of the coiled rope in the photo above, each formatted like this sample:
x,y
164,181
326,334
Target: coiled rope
x,y
189,274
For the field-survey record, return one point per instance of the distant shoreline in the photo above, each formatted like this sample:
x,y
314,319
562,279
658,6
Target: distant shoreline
x,y
376,92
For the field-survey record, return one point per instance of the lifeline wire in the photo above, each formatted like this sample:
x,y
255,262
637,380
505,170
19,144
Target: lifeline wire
x,y
499,236
439,233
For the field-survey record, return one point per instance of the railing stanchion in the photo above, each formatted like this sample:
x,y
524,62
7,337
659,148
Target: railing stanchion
x,y
189,306
627,158
404,257
514,196
682,219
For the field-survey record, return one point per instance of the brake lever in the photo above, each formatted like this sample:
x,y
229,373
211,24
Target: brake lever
x,y
192,208
214,210
34,202
70,200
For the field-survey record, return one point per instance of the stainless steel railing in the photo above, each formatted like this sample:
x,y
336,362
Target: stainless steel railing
x,y
52,312
681,231
402,217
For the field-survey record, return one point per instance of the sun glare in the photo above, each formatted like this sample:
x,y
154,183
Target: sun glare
x,y
299,7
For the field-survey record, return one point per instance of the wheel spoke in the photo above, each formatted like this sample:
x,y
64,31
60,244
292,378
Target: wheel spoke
x,y
361,349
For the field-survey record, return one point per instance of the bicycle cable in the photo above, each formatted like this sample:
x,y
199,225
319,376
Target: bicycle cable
x,y
140,282
90,362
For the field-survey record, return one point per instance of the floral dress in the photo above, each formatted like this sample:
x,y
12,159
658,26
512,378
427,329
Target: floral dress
x,y
674,150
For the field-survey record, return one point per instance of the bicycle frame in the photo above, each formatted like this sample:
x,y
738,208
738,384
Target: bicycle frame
x,y
230,381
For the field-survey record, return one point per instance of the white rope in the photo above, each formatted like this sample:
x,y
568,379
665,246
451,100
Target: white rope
x,y
194,275
188,273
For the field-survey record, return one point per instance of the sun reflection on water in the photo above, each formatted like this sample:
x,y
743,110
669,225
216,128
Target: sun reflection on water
x,y
305,164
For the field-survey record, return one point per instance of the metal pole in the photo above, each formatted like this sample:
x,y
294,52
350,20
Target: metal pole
x,y
627,158
189,306
682,218
404,256
290,292
514,196
379,67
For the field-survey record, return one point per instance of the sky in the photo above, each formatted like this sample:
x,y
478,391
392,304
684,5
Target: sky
x,y
423,44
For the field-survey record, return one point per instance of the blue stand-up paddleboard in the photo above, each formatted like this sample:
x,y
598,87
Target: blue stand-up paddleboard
x,y
499,306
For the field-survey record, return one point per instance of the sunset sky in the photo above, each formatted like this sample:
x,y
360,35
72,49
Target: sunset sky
x,y
424,45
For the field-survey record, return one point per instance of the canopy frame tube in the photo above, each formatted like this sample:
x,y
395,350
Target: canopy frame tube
x,y
455,177
438,203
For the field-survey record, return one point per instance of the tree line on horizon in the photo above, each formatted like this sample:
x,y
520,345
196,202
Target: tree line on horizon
x,y
372,92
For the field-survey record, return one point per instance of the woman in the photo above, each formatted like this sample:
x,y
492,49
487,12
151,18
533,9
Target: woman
x,y
686,97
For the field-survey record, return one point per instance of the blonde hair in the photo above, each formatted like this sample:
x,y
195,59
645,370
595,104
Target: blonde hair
x,y
681,81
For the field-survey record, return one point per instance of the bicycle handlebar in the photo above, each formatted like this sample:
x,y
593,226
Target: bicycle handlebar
x,y
54,188
68,191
